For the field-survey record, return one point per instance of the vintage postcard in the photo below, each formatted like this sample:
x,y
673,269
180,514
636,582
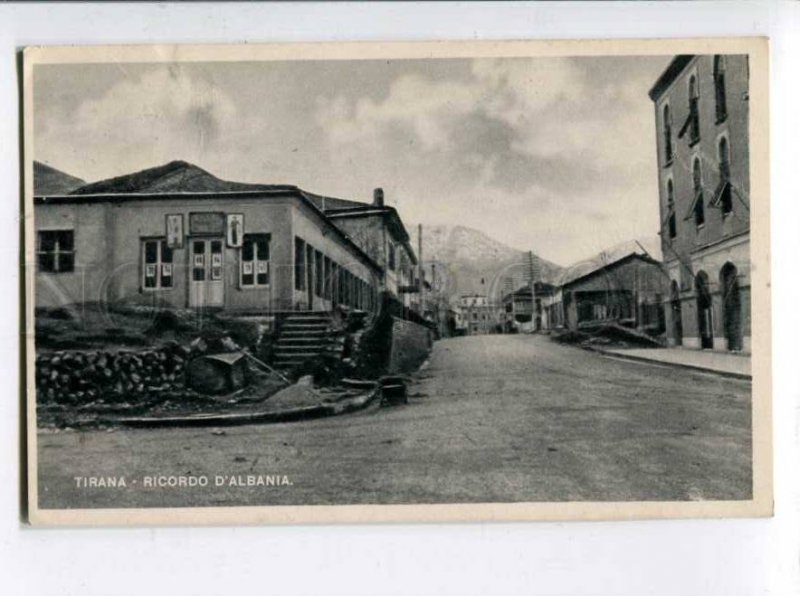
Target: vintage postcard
x,y
359,282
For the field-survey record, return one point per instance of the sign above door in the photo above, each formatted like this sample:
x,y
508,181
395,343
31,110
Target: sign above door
x,y
207,224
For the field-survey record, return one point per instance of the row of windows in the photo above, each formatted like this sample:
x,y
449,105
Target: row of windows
x,y
56,254
207,262
723,196
692,124
316,272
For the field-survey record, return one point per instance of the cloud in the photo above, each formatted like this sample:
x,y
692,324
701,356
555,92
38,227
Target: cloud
x,y
140,121
539,152
555,154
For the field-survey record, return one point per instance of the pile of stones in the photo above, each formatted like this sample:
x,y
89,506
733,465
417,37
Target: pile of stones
x,y
77,377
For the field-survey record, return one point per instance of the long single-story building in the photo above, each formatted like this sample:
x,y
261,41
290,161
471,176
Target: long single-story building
x,y
622,288
179,236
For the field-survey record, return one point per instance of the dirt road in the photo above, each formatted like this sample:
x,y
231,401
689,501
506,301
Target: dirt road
x,y
492,418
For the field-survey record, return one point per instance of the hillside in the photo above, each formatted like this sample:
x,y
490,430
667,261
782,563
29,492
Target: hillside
x,y
50,181
477,262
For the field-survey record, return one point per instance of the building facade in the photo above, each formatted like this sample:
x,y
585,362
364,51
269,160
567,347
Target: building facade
x,y
625,291
523,310
475,315
176,236
378,230
702,115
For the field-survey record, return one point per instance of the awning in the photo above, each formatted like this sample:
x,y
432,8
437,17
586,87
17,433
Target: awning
x,y
685,125
721,187
697,197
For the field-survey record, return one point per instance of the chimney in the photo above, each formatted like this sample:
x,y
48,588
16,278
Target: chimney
x,y
377,197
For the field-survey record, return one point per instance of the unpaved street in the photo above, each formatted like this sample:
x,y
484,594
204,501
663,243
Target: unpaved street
x,y
492,418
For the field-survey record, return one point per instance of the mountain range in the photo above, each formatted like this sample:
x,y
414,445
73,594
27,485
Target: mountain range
x,y
470,261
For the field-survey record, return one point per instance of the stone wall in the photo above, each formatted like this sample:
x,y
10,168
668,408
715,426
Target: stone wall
x,y
410,345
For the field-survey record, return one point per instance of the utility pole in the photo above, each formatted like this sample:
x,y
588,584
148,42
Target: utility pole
x,y
532,281
421,272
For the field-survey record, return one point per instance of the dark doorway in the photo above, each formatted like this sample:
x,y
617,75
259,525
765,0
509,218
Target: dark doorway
x,y
704,321
677,321
731,306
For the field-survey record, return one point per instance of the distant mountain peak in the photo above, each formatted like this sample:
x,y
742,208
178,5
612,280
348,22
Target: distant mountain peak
x,y
476,262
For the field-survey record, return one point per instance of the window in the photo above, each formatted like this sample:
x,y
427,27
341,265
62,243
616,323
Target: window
x,y
667,136
199,260
310,271
336,282
699,209
254,261
340,284
157,270
318,273
672,224
299,264
328,281
726,198
216,259
474,316
694,114
719,88
56,251
391,257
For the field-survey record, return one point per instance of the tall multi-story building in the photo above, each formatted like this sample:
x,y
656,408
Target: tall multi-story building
x,y
701,105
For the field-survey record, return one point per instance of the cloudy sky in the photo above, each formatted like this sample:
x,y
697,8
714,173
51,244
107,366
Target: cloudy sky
x,y
556,155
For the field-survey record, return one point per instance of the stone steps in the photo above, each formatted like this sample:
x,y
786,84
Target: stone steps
x,y
304,336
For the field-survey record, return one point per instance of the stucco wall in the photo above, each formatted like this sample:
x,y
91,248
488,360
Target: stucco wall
x,y
307,225
108,243
92,263
134,221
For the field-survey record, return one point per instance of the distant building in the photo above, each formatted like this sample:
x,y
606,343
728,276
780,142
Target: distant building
x,y
625,289
475,315
519,312
702,115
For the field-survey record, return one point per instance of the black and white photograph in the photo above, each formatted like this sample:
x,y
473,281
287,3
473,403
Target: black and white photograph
x,y
375,282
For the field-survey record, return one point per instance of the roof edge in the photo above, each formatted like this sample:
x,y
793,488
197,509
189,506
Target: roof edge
x,y
674,68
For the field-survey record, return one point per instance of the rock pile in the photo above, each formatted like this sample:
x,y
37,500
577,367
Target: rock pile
x,y
82,377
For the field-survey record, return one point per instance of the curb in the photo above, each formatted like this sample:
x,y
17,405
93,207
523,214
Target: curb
x,y
722,373
293,415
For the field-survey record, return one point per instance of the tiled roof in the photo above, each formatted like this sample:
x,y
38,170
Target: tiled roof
x,y
174,177
600,261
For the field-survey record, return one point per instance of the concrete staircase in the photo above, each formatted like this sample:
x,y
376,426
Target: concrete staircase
x,y
303,335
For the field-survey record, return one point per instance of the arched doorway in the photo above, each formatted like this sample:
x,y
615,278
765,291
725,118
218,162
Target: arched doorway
x,y
677,322
731,306
704,321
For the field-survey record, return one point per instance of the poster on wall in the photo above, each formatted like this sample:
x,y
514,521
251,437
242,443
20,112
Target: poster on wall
x,y
175,230
235,229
